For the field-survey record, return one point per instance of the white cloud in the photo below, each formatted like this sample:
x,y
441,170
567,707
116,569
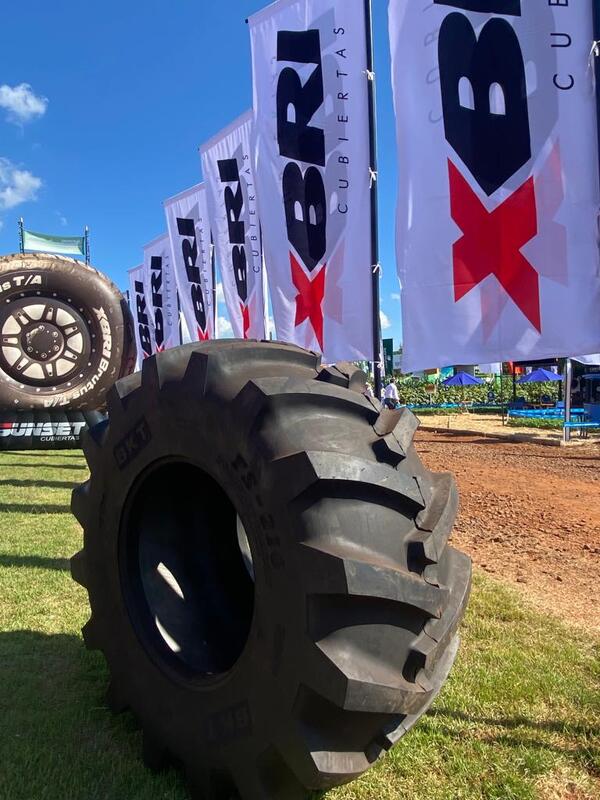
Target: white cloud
x,y
224,328
385,322
16,185
21,103
395,296
220,293
62,219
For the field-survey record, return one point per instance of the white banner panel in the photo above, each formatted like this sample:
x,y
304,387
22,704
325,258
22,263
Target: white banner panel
x,y
589,361
142,323
227,164
161,294
189,234
312,148
490,369
498,195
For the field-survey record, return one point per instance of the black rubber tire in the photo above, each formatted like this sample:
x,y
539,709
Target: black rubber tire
x,y
352,626
100,313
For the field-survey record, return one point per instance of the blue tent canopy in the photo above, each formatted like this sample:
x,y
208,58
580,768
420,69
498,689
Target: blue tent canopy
x,y
462,379
540,376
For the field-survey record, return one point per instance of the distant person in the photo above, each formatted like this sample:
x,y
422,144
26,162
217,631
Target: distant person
x,y
391,397
368,392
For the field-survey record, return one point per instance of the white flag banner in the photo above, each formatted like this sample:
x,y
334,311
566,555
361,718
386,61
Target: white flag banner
x,y
228,167
490,369
312,148
498,192
189,234
142,323
589,361
161,294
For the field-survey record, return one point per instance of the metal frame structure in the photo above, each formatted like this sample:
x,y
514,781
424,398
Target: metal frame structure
x,y
86,240
375,266
21,235
595,54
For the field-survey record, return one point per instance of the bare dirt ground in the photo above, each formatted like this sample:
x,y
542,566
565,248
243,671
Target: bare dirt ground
x,y
530,514
492,426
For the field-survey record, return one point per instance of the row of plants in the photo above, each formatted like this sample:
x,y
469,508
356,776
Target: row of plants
x,y
543,424
414,391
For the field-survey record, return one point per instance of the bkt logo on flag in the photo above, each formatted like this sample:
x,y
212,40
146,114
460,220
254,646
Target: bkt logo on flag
x,y
498,185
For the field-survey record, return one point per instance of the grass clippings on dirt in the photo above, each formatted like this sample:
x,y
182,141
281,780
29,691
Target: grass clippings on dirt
x,y
518,720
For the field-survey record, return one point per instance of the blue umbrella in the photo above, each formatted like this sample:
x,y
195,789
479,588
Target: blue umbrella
x,y
462,379
540,376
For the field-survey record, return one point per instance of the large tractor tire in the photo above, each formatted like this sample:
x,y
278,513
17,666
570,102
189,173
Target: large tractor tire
x,y
65,334
267,566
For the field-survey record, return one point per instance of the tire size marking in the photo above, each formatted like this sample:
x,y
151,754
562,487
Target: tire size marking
x,y
230,724
129,448
267,521
19,281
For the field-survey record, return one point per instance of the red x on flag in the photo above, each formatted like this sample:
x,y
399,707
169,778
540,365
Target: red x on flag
x,y
246,319
309,300
492,242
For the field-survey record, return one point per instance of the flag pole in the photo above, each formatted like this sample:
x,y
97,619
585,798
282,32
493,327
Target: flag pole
x,y
502,393
568,388
213,266
596,53
180,326
87,244
21,235
265,286
375,266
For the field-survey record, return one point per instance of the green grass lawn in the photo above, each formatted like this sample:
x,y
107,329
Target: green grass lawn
x,y
519,718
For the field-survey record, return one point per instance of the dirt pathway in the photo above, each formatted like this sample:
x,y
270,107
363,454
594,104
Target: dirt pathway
x,y
529,514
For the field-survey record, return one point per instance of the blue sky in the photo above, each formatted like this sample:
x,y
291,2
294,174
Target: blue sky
x,y
117,98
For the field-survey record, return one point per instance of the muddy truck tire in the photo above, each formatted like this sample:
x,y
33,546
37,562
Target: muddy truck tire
x,y
267,566
65,334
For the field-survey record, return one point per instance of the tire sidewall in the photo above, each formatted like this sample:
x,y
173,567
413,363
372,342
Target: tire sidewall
x,y
240,710
98,300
